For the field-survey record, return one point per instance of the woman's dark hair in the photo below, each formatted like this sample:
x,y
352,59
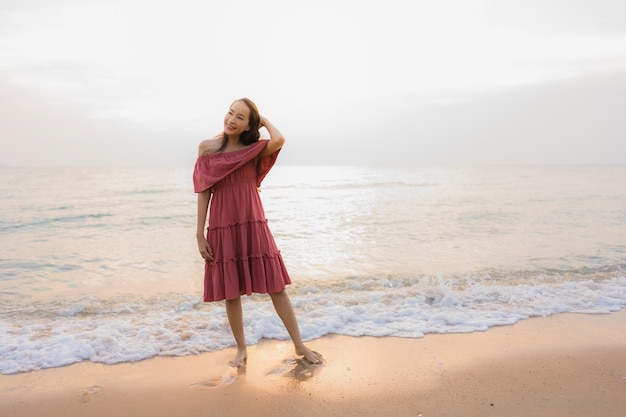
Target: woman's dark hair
x,y
252,135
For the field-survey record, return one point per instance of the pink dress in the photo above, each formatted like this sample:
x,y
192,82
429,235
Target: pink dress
x,y
246,258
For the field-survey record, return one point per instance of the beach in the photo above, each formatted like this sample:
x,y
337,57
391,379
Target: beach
x,y
562,365
432,291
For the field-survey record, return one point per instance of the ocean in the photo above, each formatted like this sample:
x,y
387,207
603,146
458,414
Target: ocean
x,y
101,264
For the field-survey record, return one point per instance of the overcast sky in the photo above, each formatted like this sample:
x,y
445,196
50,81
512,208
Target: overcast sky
x,y
141,82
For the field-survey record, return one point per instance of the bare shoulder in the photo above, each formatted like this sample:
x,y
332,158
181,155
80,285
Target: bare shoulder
x,y
209,146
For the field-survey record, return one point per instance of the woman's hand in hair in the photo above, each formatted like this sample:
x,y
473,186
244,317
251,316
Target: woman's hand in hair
x,y
276,138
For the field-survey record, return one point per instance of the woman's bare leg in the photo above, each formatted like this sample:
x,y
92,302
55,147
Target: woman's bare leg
x,y
234,312
283,307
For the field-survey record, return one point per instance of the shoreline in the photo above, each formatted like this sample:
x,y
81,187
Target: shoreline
x,y
563,365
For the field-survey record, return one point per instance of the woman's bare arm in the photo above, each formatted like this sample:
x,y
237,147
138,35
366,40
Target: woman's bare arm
x,y
276,138
203,207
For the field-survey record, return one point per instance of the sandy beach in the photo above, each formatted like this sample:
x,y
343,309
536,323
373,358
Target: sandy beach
x,y
564,365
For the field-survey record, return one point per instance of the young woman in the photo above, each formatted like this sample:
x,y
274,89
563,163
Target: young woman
x,y
239,250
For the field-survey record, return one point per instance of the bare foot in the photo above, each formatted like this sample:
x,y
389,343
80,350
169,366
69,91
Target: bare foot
x,y
310,355
240,359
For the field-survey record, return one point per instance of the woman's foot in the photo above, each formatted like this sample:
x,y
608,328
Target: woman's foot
x,y
240,359
310,355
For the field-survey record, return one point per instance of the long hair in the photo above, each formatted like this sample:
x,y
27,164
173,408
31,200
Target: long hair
x,y
252,135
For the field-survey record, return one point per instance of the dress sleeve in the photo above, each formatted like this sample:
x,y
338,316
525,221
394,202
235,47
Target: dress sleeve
x,y
202,181
211,168
264,165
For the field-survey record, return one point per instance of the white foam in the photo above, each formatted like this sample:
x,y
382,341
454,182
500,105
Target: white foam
x,y
113,331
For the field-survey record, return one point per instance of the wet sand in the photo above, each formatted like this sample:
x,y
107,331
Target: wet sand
x,y
565,365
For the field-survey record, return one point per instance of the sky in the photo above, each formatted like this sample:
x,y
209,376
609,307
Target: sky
x,y
348,82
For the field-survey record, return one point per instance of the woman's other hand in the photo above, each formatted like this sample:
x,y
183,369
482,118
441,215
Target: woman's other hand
x,y
205,249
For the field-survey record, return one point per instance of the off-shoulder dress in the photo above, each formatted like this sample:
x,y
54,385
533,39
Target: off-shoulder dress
x,y
246,258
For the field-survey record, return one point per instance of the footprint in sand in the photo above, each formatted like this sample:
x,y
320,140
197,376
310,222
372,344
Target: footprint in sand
x,y
220,381
298,369
90,392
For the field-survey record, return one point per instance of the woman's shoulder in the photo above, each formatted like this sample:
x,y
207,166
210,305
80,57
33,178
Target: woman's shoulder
x,y
209,146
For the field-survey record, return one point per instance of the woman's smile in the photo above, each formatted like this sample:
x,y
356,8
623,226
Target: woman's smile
x,y
237,119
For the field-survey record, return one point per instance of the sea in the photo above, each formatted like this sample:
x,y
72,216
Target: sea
x,y
102,265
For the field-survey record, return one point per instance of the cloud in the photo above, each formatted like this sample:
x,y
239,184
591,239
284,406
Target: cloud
x,y
577,121
560,16
347,81
44,130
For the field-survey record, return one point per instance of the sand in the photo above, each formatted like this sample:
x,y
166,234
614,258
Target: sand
x,y
565,365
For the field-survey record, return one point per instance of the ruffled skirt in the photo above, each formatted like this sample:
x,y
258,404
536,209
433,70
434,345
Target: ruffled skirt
x,y
247,261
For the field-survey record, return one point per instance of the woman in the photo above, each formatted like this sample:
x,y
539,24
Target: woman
x,y
240,253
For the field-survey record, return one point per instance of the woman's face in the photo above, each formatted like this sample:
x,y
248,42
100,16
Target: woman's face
x,y
237,120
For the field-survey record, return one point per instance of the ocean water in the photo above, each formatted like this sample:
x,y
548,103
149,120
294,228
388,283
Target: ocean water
x,y
101,264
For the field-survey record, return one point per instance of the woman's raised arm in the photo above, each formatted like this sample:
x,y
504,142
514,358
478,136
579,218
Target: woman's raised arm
x,y
276,138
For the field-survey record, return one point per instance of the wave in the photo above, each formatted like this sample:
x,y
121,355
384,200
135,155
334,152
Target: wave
x,y
348,185
8,227
126,329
